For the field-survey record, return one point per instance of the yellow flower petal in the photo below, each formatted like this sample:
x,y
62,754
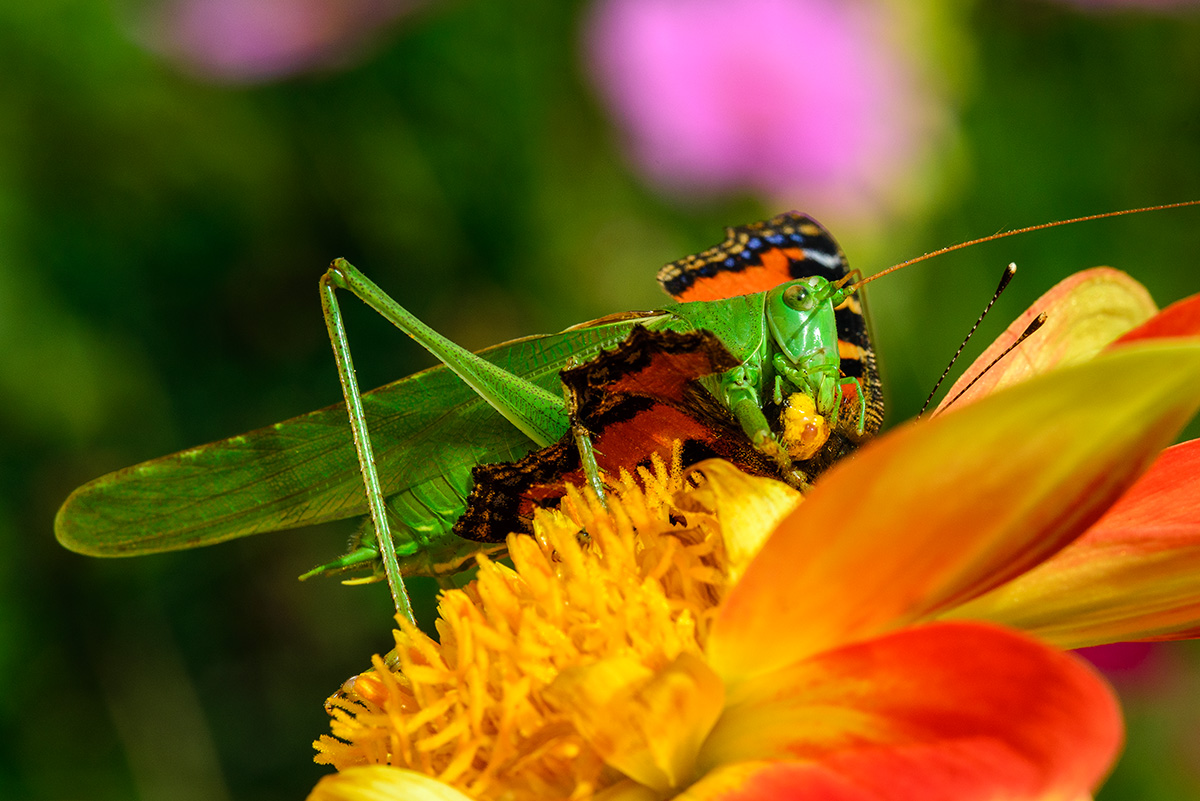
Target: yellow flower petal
x,y
726,781
940,511
1084,313
747,508
648,725
627,790
382,783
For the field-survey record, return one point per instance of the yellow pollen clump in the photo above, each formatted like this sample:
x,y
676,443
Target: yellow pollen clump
x,y
804,431
636,584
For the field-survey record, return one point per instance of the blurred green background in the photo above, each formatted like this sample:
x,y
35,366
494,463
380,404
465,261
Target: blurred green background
x,y
164,220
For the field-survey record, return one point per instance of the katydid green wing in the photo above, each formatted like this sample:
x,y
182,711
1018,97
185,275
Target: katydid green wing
x,y
428,429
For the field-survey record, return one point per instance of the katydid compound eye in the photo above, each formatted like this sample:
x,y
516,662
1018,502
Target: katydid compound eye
x,y
797,297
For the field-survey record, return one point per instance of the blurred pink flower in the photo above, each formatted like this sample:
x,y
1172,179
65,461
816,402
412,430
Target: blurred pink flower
x,y
787,98
1134,661
250,41
1141,668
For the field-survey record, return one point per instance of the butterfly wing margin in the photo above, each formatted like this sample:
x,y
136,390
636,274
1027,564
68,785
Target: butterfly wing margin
x,y
755,258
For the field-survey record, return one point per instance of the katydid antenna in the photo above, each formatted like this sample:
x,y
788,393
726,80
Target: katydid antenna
x,y
1004,279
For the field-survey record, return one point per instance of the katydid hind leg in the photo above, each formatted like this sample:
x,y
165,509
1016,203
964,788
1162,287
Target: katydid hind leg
x,y
362,444
537,413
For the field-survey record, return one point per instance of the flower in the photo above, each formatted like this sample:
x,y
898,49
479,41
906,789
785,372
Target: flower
x,y
1135,573
732,641
252,42
790,99
1137,667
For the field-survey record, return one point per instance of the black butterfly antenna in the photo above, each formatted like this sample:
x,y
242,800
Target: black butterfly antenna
x,y
1033,326
1005,277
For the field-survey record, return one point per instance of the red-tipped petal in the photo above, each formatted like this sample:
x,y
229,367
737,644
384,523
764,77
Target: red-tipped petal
x,y
1084,313
1134,575
940,511
942,712
1180,319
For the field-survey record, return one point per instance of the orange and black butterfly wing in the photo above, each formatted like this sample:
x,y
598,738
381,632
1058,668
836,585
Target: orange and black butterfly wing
x,y
755,258
762,255
640,400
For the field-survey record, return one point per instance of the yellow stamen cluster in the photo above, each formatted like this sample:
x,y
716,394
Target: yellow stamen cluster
x,y
637,581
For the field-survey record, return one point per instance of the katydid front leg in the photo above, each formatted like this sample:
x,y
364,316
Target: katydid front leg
x,y
862,402
583,442
819,382
537,413
825,387
741,396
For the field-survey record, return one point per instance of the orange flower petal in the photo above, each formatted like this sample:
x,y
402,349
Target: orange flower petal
x,y
1084,313
1134,575
940,511
382,783
1180,319
788,781
942,712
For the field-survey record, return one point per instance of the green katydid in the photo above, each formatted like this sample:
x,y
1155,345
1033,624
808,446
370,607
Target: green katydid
x,y
775,294
428,431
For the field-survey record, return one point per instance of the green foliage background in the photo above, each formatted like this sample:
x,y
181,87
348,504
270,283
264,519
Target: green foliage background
x,y
160,244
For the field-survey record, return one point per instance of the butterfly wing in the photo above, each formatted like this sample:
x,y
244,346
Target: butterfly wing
x,y
762,255
639,401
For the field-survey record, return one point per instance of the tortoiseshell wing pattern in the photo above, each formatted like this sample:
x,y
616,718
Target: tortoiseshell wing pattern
x,y
639,400
762,255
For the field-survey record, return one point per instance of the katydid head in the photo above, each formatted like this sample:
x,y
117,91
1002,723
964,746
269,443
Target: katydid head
x,y
800,316
805,357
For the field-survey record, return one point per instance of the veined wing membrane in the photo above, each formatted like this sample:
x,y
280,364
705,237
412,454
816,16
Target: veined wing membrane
x,y
304,470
